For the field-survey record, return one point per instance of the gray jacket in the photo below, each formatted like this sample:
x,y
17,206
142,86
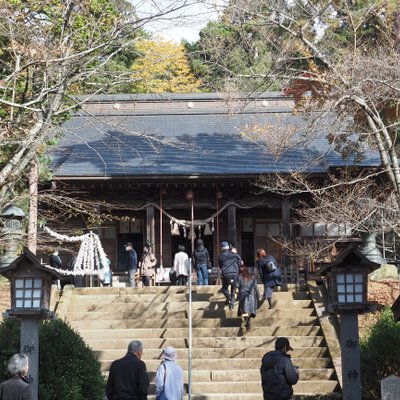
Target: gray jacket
x,y
248,297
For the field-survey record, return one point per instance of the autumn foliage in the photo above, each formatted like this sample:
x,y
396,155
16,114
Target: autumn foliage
x,y
162,67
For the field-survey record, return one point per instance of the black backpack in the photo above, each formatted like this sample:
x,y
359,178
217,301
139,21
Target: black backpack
x,y
270,266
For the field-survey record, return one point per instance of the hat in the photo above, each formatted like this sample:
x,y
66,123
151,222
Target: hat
x,y
169,353
281,343
225,245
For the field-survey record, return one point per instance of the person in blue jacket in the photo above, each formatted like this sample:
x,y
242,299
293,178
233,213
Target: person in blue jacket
x,y
278,374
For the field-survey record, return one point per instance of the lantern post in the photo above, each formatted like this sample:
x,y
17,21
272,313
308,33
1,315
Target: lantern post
x,y
30,285
347,285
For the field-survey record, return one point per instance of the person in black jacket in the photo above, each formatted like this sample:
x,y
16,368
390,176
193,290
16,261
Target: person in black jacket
x,y
55,260
128,378
132,263
229,263
201,260
16,387
278,373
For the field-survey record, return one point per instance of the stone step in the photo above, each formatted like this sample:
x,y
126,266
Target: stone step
x,y
217,353
207,389
176,289
231,365
200,332
257,396
82,325
306,374
207,342
167,314
164,297
226,358
141,306
317,386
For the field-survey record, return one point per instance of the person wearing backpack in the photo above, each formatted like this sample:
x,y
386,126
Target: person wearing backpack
x,y
270,274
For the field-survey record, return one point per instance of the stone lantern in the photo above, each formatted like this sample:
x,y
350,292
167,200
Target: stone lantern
x,y
347,281
12,233
30,284
347,285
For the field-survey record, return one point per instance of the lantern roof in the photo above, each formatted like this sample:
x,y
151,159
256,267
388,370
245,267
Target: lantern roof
x,y
349,256
12,211
32,260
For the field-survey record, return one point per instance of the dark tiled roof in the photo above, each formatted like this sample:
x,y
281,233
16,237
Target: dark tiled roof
x,y
154,136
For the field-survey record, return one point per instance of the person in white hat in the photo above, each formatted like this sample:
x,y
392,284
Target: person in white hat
x,y
169,377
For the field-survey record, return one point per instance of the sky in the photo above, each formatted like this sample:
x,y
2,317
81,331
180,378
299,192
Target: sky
x,y
182,24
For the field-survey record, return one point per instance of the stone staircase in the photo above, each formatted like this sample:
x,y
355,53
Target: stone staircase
x,y
226,358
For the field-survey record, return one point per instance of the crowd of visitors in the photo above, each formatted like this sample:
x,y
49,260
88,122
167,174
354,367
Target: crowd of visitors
x,y
128,377
237,283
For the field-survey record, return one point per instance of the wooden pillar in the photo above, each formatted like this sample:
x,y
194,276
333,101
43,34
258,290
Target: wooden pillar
x,y
33,205
150,226
285,230
232,230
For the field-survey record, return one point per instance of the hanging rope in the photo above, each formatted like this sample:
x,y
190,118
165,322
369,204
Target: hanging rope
x,y
201,222
198,222
91,258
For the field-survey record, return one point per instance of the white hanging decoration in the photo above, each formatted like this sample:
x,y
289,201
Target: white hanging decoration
x,y
192,234
199,235
175,229
207,230
212,225
184,232
91,257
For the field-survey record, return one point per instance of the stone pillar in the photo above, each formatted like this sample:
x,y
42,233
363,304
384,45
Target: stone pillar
x,y
349,344
150,226
232,229
30,346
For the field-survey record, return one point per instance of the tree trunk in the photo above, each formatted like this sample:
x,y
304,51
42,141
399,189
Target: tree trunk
x,y
33,205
